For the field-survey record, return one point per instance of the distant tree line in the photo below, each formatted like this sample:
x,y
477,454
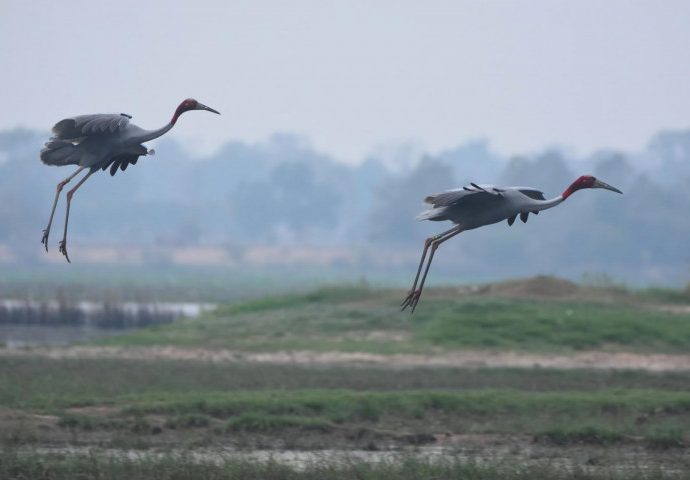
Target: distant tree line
x,y
283,192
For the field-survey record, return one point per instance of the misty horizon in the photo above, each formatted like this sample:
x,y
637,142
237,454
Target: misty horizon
x,y
356,77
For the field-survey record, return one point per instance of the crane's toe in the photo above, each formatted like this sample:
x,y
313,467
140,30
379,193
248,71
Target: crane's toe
x,y
415,301
406,300
63,249
411,300
44,240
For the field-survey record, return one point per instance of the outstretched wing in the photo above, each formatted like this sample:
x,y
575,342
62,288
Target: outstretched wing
x,y
454,197
470,197
85,125
532,193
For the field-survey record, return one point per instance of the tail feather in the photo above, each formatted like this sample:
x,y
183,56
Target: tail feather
x,y
60,152
437,213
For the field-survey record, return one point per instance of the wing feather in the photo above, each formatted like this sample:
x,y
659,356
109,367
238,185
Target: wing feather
x,y
474,196
453,197
84,125
532,193
121,162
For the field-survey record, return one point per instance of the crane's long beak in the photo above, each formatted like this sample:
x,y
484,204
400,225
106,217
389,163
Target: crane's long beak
x,y
201,106
600,184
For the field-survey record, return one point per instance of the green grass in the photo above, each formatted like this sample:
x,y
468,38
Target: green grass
x,y
40,382
188,405
658,438
42,466
89,422
267,423
189,420
478,411
130,398
539,325
580,434
667,295
666,437
323,295
345,406
362,319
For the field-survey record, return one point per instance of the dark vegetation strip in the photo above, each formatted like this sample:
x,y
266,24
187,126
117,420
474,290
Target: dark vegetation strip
x,y
660,419
612,416
340,405
25,381
658,438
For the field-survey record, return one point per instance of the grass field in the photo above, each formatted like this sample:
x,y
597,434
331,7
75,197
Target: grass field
x,y
250,405
175,418
367,320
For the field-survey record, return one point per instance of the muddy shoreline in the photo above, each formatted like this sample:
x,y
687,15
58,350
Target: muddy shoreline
x,y
458,359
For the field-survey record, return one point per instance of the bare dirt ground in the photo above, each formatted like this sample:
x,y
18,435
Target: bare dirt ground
x,y
509,449
461,359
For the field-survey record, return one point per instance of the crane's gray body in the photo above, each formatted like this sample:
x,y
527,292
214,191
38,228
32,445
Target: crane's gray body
x,y
98,141
474,205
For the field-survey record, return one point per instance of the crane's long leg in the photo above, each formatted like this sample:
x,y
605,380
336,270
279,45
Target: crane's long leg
x,y
434,247
46,232
63,243
427,243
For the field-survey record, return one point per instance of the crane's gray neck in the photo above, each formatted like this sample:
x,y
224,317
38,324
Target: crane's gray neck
x,y
546,204
151,134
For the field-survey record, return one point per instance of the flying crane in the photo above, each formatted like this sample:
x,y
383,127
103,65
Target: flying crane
x,y
96,142
474,206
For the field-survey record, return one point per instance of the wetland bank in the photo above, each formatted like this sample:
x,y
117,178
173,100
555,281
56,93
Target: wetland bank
x,y
322,385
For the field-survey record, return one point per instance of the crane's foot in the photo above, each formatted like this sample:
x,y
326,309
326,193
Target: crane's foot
x,y
406,300
44,240
63,249
411,300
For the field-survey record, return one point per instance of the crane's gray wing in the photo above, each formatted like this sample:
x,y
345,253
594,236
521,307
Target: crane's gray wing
x,y
124,160
532,193
454,197
120,161
85,125
471,197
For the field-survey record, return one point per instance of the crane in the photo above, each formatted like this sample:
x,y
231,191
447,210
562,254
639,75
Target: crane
x,y
474,206
96,142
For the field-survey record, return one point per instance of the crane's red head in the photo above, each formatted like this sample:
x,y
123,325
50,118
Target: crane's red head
x,y
587,181
190,104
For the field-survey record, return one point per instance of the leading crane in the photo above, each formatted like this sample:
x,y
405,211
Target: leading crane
x,y
474,206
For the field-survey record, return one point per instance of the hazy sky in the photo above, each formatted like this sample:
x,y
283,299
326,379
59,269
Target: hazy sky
x,y
355,75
